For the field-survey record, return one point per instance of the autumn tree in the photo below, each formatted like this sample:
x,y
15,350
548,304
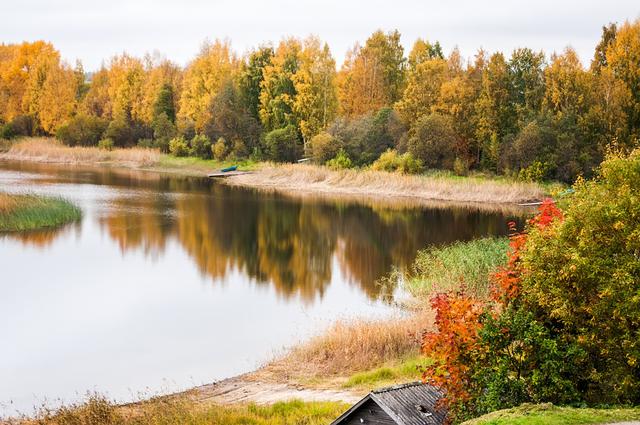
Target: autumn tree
x,y
526,83
251,77
315,103
278,91
35,82
162,87
203,78
623,57
608,37
373,75
126,79
97,100
423,89
231,122
423,51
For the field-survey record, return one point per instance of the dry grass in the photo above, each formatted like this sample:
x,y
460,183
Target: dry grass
x,y
7,203
50,150
311,178
350,347
98,410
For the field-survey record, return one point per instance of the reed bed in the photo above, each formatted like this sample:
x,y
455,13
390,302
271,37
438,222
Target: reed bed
x,y
49,150
355,346
448,268
29,212
311,178
97,410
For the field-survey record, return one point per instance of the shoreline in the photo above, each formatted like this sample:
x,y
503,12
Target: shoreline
x,y
300,180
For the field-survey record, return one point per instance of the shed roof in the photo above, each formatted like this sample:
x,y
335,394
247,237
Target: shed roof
x,y
407,404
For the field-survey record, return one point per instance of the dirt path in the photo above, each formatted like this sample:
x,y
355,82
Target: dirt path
x,y
243,389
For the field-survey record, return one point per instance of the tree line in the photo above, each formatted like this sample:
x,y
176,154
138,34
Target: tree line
x,y
523,114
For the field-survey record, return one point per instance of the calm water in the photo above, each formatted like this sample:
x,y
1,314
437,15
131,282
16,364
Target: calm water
x,y
172,282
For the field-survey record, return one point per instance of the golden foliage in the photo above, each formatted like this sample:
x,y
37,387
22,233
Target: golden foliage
x,y
203,78
33,81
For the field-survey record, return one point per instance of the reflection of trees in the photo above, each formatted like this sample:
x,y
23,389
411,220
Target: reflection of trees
x,y
40,238
274,239
140,223
285,243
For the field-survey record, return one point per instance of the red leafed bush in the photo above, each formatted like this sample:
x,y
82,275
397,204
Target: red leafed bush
x,y
460,346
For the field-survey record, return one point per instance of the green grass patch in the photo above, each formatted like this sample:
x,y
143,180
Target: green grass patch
x,y
447,268
28,212
548,186
548,414
99,411
190,162
390,374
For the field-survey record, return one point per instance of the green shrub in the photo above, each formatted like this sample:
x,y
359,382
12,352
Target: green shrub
x,y
7,131
323,147
163,131
82,130
584,275
460,167
219,149
178,146
391,161
366,137
120,132
146,143
536,172
22,125
201,146
186,128
127,133
434,141
561,325
283,144
239,149
340,162
106,144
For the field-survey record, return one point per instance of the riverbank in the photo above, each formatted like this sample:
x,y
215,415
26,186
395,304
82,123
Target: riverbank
x,y
19,213
298,179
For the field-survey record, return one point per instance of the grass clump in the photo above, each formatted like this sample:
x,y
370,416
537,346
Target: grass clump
x,y
97,410
28,212
355,346
195,163
392,373
462,263
548,414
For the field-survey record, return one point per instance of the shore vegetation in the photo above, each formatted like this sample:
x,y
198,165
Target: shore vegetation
x,y
30,212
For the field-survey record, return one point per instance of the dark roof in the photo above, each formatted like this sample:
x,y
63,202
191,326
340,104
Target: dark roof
x,y
406,404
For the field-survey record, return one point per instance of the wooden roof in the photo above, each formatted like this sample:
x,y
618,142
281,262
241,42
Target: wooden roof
x,y
407,404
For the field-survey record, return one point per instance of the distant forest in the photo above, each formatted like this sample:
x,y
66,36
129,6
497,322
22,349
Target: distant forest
x,y
522,114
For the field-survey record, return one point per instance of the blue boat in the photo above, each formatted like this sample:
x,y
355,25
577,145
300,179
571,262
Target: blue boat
x,y
228,169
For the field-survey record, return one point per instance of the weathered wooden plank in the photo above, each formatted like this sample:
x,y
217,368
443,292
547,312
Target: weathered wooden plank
x,y
222,175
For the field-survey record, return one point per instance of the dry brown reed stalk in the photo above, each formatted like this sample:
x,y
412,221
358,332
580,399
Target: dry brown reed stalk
x,y
7,203
353,346
49,150
311,178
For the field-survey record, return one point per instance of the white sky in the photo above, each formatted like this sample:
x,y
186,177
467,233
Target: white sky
x,y
93,31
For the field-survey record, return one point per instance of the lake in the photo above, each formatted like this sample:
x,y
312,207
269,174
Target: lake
x,y
170,282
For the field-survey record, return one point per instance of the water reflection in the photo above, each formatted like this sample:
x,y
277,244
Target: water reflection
x,y
273,239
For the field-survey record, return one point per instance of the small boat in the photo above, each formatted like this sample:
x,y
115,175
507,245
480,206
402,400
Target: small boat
x,y
228,169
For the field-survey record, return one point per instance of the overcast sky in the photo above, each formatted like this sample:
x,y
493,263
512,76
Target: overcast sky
x,y
93,31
